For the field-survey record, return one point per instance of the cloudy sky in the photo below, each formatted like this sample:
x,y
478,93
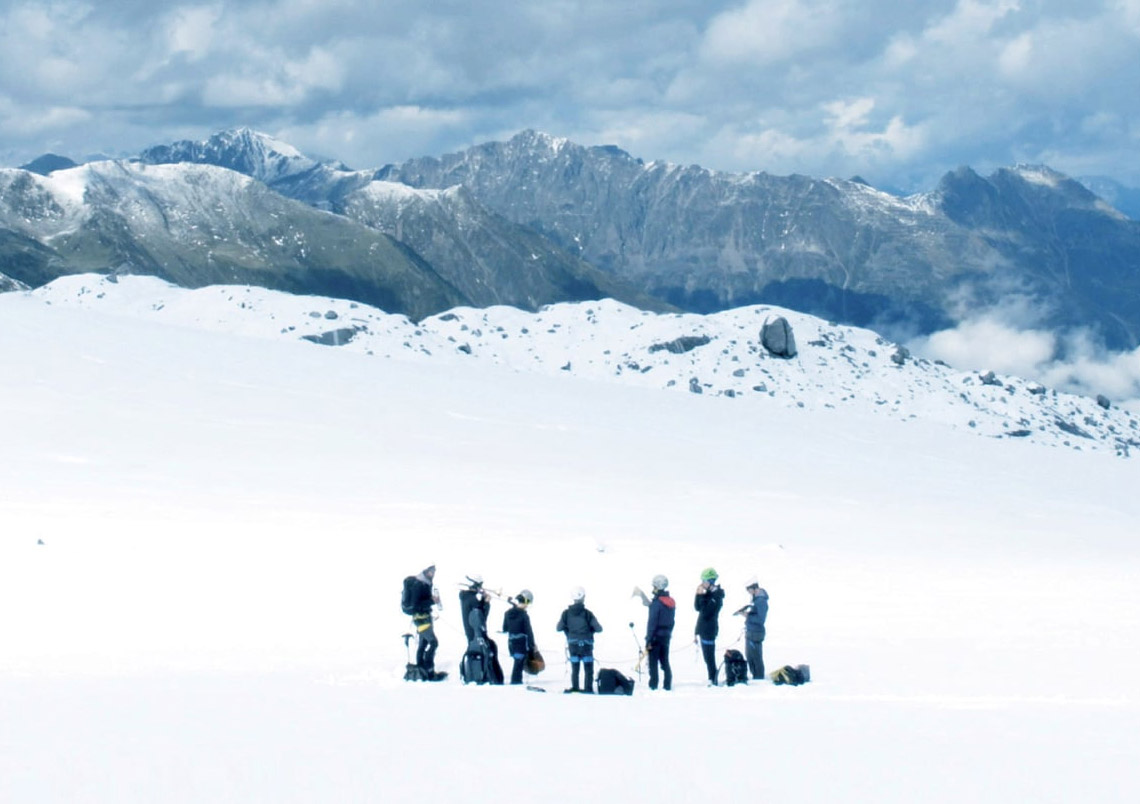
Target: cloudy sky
x,y
898,92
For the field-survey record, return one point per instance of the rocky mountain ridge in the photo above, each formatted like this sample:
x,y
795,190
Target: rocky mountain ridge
x,y
717,355
197,224
539,219
706,241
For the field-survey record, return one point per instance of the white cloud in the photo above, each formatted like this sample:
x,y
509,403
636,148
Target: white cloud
x,y
192,30
1016,55
1073,362
843,139
765,31
847,115
969,20
898,93
273,80
371,141
320,69
1129,14
990,344
1087,368
39,121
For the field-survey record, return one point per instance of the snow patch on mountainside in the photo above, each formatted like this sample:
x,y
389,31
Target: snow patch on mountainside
x,y
395,192
69,186
719,355
1039,174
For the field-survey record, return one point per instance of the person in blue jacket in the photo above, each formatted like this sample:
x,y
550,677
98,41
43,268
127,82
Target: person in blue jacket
x,y
754,619
708,602
579,624
659,631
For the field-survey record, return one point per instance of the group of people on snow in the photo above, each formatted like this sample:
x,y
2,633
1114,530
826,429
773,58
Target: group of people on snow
x,y
579,625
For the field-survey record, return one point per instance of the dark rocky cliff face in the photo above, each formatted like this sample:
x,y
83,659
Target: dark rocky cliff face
x,y
707,241
488,258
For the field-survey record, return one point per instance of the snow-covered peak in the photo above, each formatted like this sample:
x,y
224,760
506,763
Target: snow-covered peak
x,y
253,153
256,140
531,138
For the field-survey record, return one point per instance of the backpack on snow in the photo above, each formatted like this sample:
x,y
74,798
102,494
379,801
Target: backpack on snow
x,y
793,676
414,672
735,668
480,663
611,682
406,604
475,668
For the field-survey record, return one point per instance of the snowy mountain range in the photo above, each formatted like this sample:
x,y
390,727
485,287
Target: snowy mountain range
x,y
721,354
200,224
539,220
706,241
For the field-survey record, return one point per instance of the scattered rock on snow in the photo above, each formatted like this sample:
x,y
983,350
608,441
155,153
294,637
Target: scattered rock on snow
x,y
776,336
1071,429
678,346
335,337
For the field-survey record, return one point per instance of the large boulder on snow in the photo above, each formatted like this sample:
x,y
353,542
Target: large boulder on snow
x,y
776,336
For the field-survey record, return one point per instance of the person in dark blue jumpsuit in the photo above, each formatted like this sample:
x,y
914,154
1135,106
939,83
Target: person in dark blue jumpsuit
x,y
659,631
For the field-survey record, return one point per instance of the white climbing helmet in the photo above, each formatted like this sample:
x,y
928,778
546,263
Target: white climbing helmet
x,y
660,583
578,594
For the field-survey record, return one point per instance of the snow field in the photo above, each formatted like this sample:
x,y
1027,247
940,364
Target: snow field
x,y
226,520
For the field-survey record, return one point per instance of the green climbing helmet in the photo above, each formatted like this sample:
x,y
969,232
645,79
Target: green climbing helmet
x,y
709,574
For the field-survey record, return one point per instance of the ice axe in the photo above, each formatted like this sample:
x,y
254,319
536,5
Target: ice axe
x,y
640,650
407,646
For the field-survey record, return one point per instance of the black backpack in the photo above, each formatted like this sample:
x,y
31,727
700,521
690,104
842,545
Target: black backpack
x,y
413,672
735,668
476,666
406,598
611,682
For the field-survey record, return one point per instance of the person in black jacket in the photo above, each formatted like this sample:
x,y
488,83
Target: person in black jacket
x,y
475,609
579,624
419,597
520,637
473,598
708,602
659,631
